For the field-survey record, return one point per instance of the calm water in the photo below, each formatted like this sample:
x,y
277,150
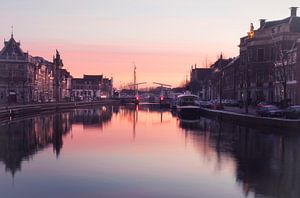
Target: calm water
x,y
145,152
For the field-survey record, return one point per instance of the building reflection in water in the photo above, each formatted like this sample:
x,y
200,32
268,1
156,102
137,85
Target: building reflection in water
x,y
21,139
95,118
267,164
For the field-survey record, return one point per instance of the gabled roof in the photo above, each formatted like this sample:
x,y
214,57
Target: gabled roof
x,y
201,73
233,61
12,50
93,77
293,21
277,22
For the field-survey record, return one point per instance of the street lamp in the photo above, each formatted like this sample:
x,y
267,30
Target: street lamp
x,y
250,37
220,84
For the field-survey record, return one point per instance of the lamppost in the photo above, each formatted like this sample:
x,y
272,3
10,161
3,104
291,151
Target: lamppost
x,y
221,73
251,34
247,84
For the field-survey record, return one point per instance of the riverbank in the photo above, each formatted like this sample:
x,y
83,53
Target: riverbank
x,y
23,110
241,118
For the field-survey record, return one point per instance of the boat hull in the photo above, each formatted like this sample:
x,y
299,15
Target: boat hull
x,y
188,112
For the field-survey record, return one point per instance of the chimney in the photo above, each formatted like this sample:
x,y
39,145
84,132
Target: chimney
x,y
262,22
294,11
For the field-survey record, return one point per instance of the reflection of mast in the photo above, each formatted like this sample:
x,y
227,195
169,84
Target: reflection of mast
x,y
135,120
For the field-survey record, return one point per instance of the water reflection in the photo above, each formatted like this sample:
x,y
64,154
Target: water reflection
x,y
21,139
143,146
96,118
267,164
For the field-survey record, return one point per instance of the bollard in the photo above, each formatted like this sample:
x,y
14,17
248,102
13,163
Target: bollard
x,y
11,113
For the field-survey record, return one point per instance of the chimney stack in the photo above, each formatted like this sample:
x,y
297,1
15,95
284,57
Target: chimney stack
x,y
294,11
262,22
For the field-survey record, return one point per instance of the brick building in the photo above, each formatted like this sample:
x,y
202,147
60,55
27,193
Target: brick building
x,y
200,82
267,68
260,50
27,79
91,87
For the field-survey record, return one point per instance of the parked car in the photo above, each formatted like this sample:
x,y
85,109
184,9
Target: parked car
x,y
217,106
269,111
206,104
233,103
261,104
292,112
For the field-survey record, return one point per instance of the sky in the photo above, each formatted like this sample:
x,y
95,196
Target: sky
x,y
162,38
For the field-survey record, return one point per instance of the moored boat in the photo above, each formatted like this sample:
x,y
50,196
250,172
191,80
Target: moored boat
x,y
188,106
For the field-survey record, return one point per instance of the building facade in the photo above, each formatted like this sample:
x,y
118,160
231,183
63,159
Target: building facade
x,y
267,68
260,53
26,79
16,74
91,87
200,82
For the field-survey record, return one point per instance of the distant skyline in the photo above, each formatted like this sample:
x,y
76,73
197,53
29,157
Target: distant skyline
x,y
163,38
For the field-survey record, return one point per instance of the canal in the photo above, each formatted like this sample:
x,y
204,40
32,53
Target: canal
x,y
144,152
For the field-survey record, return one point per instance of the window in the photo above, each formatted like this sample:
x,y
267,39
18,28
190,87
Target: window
x,y
260,54
273,30
272,53
294,58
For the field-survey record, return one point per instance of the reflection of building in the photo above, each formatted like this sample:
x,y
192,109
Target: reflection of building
x,y
26,79
22,139
266,164
97,117
91,87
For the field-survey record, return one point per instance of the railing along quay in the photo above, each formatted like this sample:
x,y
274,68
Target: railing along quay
x,y
253,120
23,110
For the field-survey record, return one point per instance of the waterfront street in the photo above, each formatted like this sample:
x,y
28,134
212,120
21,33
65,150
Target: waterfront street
x,y
251,110
144,152
150,99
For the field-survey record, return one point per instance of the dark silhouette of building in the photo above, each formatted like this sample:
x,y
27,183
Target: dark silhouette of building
x,y
20,140
26,79
200,82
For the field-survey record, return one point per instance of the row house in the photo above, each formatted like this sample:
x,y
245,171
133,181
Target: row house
x,y
27,79
91,87
267,68
286,76
43,89
218,79
16,73
260,53
200,82
231,78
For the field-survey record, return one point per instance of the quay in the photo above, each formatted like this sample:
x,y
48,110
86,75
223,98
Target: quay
x,y
29,109
250,119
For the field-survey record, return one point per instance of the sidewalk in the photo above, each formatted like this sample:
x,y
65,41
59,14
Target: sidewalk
x,y
251,110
